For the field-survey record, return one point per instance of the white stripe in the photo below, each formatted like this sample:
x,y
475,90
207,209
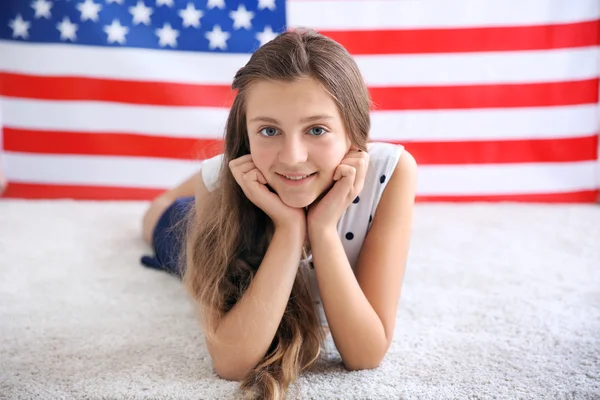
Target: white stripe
x,y
378,70
481,68
97,171
433,180
501,179
198,122
119,63
487,124
389,14
433,125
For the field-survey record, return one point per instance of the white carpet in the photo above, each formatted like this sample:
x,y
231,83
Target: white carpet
x,y
499,301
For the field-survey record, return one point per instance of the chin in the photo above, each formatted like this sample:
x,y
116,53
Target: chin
x,y
297,201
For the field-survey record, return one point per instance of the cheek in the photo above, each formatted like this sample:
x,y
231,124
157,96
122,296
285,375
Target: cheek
x,y
261,158
331,157
334,154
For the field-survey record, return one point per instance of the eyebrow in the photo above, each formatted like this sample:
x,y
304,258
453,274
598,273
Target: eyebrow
x,y
307,119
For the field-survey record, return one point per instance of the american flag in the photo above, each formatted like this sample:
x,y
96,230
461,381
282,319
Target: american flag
x,y
120,99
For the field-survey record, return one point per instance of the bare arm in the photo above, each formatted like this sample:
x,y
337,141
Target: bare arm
x,y
361,307
246,332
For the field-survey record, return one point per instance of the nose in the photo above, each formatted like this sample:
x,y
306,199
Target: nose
x,y
293,151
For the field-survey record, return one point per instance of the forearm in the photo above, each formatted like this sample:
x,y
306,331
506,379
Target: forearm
x,y
356,328
247,330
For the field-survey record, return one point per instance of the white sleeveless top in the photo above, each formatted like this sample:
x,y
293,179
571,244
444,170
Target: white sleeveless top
x,y
356,220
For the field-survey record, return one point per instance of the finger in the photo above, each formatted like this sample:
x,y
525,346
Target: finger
x,y
344,171
243,168
356,154
260,177
240,171
246,167
337,174
361,166
255,176
251,183
359,163
240,160
348,171
251,176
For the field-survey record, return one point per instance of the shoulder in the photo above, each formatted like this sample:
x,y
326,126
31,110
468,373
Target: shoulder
x,y
395,178
211,168
403,180
392,158
387,162
406,168
207,180
384,158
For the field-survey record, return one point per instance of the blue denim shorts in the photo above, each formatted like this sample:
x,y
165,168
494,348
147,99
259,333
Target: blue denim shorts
x,y
168,238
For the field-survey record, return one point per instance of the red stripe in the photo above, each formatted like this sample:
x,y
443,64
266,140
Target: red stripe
x,y
486,96
465,152
510,38
39,191
586,196
583,148
120,91
109,144
384,98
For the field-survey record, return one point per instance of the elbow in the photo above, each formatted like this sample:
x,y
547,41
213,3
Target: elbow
x,y
366,363
229,371
227,366
229,374
368,360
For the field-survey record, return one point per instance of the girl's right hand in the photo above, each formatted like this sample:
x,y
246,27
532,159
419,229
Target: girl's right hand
x,y
253,184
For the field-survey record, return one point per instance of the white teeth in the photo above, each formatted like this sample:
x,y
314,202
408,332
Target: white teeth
x,y
297,178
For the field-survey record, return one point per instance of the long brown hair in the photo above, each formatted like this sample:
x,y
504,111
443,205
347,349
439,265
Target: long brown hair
x,y
230,235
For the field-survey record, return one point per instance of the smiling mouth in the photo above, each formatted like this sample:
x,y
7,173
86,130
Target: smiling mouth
x,y
296,178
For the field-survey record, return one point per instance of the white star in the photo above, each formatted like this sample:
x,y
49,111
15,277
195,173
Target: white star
x,y
167,35
116,32
42,8
217,38
19,27
168,3
114,1
270,4
141,13
266,36
242,18
191,16
215,3
68,30
89,10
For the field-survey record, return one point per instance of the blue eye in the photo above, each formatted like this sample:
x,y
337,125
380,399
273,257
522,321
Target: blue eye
x,y
269,132
318,131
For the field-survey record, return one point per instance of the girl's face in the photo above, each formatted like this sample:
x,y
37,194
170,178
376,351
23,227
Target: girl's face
x,y
297,138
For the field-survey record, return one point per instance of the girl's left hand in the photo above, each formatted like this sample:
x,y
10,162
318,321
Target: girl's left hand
x,y
349,179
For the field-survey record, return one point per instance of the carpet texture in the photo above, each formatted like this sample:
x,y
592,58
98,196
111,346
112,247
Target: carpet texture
x,y
499,302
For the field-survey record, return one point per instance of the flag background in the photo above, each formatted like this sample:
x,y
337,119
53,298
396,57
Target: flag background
x,y
496,100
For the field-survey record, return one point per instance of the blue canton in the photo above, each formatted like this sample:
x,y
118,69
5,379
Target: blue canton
x,y
220,26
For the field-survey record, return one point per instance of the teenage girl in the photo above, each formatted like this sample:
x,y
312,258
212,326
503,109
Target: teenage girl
x,y
299,229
